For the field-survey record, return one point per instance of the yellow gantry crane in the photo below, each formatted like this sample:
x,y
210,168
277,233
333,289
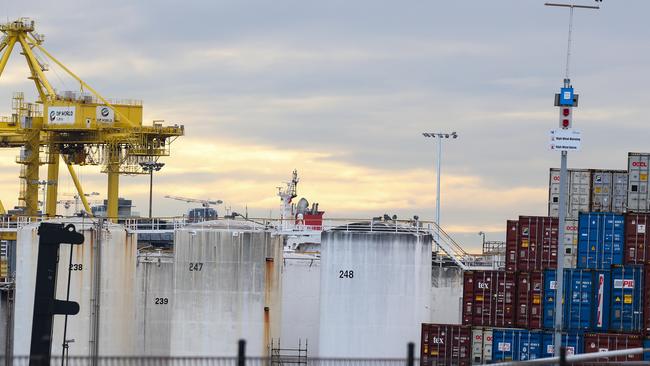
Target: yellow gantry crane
x,y
77,127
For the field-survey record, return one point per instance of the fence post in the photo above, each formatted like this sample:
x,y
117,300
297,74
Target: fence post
x,y
241,353
410,354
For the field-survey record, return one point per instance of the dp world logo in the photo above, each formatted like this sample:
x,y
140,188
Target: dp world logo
x,y
104,112
52,116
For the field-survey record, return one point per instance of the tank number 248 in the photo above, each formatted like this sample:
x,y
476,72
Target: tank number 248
x,y
346,274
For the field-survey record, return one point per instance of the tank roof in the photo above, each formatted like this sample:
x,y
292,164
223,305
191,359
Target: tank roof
x,y
227,224
380,226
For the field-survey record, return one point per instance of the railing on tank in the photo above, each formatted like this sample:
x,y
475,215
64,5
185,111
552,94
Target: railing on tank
x,y
448,247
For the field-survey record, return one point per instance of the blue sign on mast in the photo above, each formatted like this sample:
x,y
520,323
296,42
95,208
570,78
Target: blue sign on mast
x,y
566,96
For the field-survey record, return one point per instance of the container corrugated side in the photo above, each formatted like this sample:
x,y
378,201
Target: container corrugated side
x,y
572,341
638,167
637,240
481,345
587,299
626,310
489,298
517,345
445,344
570,243
608,191
646,345
529,299
511,244
537,243
601,240
602,342
578,192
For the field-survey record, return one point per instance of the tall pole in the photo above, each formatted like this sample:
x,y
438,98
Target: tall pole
x,y
438,164
566,124
150,190
439,160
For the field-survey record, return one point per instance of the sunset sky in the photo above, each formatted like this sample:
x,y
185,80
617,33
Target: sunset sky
x,y
342,90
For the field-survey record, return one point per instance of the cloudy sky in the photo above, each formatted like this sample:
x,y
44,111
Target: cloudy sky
x,y
342,90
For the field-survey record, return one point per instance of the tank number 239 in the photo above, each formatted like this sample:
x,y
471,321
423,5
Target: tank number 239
x,y
196,266
346,274
161,300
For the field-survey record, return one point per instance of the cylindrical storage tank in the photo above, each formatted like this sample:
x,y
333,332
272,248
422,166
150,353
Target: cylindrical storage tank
x,y
375,290
226,288
102,281
154,286
300,302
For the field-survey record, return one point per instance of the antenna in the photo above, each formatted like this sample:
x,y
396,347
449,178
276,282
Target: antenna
x,y
568,48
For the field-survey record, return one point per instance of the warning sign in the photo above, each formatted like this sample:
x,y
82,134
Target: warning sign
x,y
627,299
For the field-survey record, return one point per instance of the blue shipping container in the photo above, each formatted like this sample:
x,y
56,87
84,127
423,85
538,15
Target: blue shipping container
x,y
587,299
627,299
600,240
517,345
646,345
572,341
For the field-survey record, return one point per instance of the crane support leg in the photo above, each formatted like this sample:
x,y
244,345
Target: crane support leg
x,y
53,180
77,185
31,174
6,54
113,184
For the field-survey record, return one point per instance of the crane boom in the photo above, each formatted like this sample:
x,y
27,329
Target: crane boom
x,y
204,203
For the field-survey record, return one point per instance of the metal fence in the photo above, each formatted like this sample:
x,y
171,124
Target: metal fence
x,y
206,361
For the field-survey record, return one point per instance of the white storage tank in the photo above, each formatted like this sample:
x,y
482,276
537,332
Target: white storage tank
x,y
113,265
375,290
300,302
154,284
226,288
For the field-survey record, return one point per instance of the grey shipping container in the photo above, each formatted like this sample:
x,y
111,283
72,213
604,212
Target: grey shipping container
x,y
481,345
608,191
570,243
578,188
637,189
589,190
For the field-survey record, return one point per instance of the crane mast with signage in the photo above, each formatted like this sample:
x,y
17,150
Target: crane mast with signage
x,y
78,127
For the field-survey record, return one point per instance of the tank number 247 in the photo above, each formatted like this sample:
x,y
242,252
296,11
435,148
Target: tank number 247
x,y
346,274
196,266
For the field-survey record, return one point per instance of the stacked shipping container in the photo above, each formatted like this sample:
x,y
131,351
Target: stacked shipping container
x,y
509,314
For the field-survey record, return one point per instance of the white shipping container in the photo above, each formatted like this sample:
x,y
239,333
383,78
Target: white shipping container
x,y
481,346
637,192
570,243
608,191
578,188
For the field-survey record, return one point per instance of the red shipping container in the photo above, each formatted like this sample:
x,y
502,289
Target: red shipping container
x,y
600,342
445,345
637,241
537,243
489,298
511,245
529,299
646,302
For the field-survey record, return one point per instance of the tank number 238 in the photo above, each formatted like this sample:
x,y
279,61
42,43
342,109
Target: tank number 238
x,y
196,266
346,274
76,267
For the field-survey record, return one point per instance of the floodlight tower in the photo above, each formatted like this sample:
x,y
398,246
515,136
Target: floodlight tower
x,y
564,139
